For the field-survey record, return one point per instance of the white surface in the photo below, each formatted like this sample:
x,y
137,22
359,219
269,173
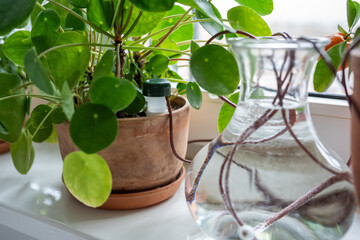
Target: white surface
x,y
39,206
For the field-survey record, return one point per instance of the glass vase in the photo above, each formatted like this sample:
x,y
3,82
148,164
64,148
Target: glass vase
x,y
267,175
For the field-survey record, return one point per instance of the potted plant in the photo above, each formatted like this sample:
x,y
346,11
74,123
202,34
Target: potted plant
x,y
89,61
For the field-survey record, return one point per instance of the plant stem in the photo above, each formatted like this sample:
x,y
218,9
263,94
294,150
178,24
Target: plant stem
x,y
45,97
177,80
83,19
179,59
118,62
157,49
133,25
173,28
120,3
22,86
72,45
127,21
100,49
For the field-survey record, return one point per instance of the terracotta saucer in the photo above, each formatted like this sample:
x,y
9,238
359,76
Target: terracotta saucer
x,y
4,147
127,201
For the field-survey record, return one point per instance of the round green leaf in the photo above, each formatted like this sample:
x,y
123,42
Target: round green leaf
x,y
137,105
22,153
181,88
68,64
100,13
14,13
246,19
42,134
158,64
93,127
215,70
323,77
88,178
60,11
45,31
194,95
13,110
112,92
262,7
154,5
38,115
168,44
16,45
226,112
79,3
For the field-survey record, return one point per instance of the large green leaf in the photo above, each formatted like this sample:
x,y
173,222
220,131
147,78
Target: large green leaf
x,y
194,95
246,19
211,27
87,177
12,110
215,70
37,73
45,31
147,22
226,112
262,7
14,13
16,46
93,127
353,13
106,64
38,116
22,153
183,33
323,77
79,3
100,13
112,92
68,64
154,5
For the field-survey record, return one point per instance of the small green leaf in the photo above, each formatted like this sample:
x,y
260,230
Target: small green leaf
x,y
262,7
341,29
211,27
45,31
38,115
105,66
194,95
16,45
42,134
246,19
353,13
190,3
158,64
88,178
67,101
220,77
323,77
181,88
13,110
60,11
75,24
154,5
137,105
22,153
226,112
100,13
79,3
37,72
14,13
58,116
93,127
112,92
168,44
68,64
194,46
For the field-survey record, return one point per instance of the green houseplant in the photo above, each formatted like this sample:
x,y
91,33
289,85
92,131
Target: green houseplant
x,y
89,59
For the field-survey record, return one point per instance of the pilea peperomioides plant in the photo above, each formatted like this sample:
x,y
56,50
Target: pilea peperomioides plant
x,y
89,59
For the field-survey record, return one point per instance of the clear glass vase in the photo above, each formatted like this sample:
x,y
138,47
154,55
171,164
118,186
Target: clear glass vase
x,y
267,175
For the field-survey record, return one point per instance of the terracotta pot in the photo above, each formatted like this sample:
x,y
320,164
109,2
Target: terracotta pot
x,y
355,120
4,146
140,158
